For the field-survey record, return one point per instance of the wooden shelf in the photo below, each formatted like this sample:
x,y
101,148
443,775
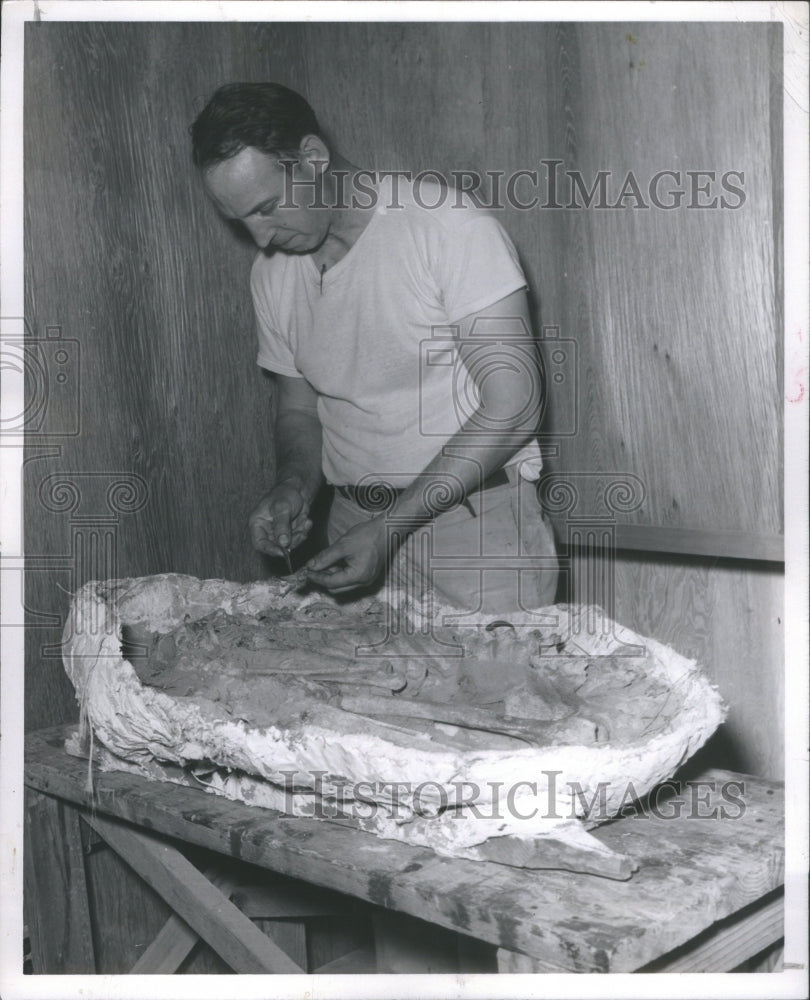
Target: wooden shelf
x,y
691,542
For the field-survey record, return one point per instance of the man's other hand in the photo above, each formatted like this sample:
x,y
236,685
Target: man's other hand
x,y
280,521
357,559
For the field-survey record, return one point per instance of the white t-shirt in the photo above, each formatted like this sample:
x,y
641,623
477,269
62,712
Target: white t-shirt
x,y
371,334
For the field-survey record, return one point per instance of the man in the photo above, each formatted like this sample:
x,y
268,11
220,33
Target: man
x,y
396,324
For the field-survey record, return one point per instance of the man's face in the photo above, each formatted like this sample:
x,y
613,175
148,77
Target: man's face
x,y
253,188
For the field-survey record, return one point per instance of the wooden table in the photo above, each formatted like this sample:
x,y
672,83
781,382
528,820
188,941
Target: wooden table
x,y
707,895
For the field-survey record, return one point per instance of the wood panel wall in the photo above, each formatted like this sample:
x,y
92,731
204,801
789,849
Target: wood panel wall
x,y
674,313
728,615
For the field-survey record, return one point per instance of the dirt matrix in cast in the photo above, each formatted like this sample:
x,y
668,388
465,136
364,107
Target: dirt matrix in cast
x,y
266,671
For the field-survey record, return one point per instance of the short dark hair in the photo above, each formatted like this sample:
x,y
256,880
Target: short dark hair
x,y
265,116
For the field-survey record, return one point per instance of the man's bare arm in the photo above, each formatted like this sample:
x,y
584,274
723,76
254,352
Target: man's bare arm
x,y
497,346
280,521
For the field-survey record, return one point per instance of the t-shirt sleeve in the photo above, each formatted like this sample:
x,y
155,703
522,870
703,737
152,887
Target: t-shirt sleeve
x,y
275,349
477,264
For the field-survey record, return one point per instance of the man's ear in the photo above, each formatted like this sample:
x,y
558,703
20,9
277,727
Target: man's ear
x,y
314,150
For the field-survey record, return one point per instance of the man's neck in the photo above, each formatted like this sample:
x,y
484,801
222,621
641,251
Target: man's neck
x,y
347,220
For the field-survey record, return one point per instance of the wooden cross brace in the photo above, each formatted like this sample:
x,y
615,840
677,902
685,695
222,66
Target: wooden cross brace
x,y
214,905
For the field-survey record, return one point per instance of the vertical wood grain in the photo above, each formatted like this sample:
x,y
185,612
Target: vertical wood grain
x,y
126,913
675,311
331,938
126,257
56,901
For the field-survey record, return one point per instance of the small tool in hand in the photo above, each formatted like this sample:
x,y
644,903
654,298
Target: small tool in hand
x,y
287,560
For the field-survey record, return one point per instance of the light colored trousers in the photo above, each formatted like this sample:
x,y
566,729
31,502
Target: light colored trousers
x,y
499,561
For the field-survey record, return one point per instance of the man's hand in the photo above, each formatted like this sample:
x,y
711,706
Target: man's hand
x,y
280,521
357,558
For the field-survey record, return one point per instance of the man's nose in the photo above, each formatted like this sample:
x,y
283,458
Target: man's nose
x,y
261,232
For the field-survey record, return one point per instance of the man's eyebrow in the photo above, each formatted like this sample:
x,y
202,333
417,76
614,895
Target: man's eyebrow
x,y
263,204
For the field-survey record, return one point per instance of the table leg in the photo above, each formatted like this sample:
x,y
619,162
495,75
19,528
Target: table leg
x,y
56,903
